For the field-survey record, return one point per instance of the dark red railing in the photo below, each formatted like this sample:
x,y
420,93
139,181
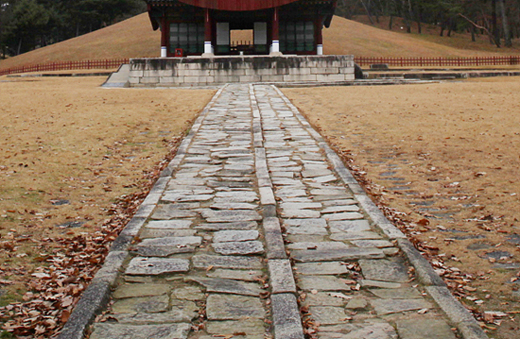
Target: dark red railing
x,y
439,61
362,61
66,66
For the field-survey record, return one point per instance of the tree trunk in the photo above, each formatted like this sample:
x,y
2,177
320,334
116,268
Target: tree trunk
x,y
505,25
19,47
472,28
390,24
496,32
368,12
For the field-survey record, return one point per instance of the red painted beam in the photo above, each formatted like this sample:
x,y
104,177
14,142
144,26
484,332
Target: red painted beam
x,y
237,5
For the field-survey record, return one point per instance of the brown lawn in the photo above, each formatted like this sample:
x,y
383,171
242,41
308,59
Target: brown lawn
x,y
445,159
69,150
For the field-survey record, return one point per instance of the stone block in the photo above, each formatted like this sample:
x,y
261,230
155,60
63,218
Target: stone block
x,y
331,77
250,78
136,73
309,77
134,80
300,71
233,307
325,70
149,80
280,272
151,73
272,78
350,77
286,317
167,80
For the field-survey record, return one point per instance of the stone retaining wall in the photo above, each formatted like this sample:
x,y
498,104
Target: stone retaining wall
x,y
196,71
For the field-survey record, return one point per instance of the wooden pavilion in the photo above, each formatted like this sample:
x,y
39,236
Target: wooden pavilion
x,y
203,27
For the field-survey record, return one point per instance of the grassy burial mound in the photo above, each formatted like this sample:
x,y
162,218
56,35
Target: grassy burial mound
x,y
135,38
131,38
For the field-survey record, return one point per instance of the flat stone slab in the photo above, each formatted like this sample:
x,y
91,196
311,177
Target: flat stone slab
x,y
238,196
228,286
341,208
384,270
424,328
245,225
140,290
333,255
193,293
233,236
327,299
176,315
241,248
344,216
322,283
349,226
169,224
318,246
233,307
389,306
230,216
126,331
305,222
170,212
163,247
148,233
311,230
216,261
300,213
380,330
400,293
245,275
328,315
322,268
372,243
232,327
380,284
156,266
154,304
234,206
356,235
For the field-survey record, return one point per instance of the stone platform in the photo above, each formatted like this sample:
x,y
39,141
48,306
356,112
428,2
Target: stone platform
x,y
201,71
256,230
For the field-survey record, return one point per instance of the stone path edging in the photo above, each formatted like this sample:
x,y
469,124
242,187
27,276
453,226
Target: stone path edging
x,y
435,286
97,294
285,310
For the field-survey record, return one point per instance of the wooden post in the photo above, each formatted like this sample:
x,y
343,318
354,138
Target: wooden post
x,y
164,37
208,34
275,45
318,35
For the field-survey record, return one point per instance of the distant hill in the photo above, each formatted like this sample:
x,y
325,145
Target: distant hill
x,y
135,38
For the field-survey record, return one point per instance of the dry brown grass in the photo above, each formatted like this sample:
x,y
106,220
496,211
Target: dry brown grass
x,y
453,147
69,139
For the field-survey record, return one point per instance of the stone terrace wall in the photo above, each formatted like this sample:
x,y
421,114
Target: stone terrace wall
x,y
168,72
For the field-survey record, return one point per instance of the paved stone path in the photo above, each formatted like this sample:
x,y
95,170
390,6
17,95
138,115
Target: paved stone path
x,y
259,232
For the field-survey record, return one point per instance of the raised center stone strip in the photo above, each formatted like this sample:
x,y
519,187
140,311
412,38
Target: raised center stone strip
x,y
258,232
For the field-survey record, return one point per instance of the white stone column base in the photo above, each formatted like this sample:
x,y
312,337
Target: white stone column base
x,y
275,48
319,49
164,52
208,48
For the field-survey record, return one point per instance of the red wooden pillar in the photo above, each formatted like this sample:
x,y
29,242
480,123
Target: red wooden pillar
x,y
318,35
275,31
208,33
164,36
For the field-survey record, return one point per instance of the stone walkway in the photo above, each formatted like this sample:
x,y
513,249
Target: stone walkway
x,y
258,231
